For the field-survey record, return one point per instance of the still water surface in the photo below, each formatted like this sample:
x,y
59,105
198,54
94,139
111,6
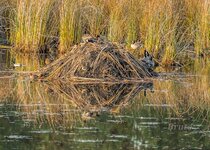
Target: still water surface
x,y
170,112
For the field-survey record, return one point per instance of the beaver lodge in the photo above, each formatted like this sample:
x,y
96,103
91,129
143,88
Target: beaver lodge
x,y
96,61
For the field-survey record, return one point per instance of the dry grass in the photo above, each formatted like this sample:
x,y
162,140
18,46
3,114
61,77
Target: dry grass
x,y
168,29
33,22
70,24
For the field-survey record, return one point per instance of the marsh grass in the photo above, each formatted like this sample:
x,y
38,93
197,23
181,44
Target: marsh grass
x,y
168,29
70,24
31,21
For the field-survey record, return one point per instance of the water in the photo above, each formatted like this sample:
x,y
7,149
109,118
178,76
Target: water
x,y
170,112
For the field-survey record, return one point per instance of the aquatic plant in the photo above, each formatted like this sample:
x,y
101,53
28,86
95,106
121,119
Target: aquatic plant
x,y
32,24
70,24
170,30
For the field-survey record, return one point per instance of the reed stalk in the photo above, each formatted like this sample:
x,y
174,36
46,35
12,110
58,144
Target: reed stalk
x,y
168,29
30,22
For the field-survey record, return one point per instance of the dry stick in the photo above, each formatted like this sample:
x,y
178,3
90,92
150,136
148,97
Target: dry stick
x,y
57,70
97,60
113,60
119,64
137,64
129,62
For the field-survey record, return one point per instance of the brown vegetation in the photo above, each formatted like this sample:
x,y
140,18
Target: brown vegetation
x,y
96,62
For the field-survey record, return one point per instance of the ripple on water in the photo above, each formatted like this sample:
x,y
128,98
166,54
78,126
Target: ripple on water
x,y
115,121
87,128
158,105
140,117
94,141
150,123
43,131
18,137
87,141
118,136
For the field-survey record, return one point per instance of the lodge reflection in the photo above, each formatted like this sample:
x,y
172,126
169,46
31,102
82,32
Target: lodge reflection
x,y
68,103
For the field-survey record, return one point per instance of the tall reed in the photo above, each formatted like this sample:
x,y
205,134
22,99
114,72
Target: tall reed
x,y
70,23
116,29
168,29
95,17
29,27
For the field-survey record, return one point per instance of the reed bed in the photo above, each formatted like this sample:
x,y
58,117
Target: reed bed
x,y
33,22
171,30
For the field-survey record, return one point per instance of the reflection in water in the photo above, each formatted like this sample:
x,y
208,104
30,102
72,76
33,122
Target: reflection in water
x,y
62,102
170,112
9,60
46,112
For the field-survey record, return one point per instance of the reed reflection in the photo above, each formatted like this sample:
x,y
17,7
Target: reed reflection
x,y
62,103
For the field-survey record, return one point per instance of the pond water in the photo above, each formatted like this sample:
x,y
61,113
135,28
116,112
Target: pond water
x,y
169,112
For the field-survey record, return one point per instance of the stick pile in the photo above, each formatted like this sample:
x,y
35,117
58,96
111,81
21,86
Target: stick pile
x,y
96,61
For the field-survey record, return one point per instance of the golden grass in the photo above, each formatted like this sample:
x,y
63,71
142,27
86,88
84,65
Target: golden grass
x,y
70,24
168,29
31,23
